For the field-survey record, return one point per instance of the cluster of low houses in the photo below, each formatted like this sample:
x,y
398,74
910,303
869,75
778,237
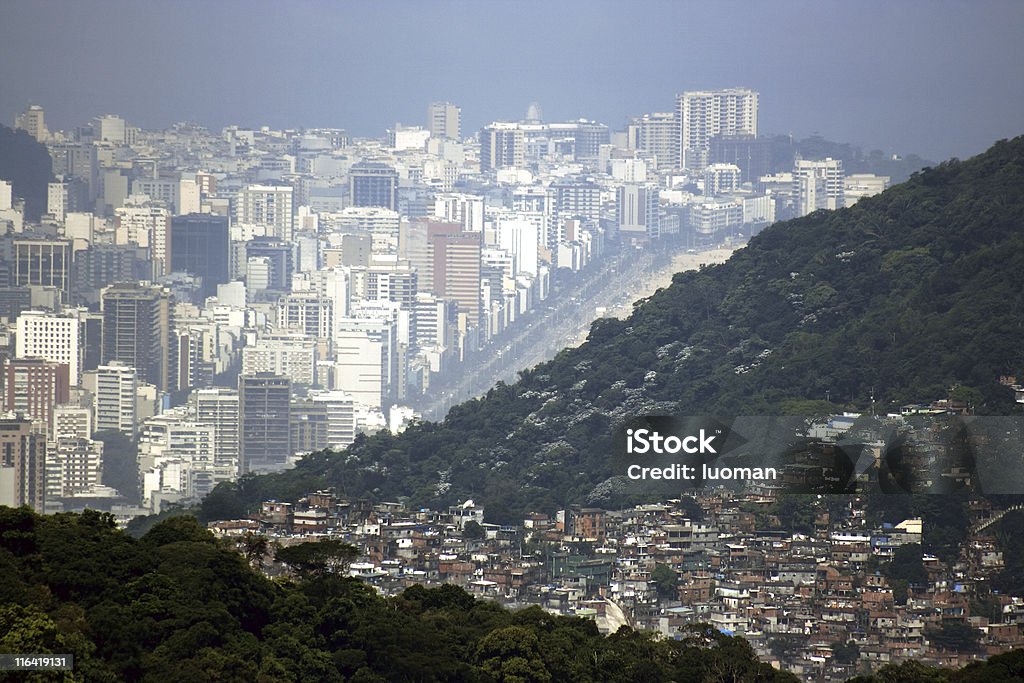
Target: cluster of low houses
x,y
734,571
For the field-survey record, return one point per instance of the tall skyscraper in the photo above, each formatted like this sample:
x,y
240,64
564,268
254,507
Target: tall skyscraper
x,y
264,406
818,185
444,120
502,145
372,183
701,115
136,331
200,245
22,464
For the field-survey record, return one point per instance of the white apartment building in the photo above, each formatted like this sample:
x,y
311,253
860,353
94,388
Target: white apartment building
x,y
114,399
54,337
341,425
289,354
73,466
701,115
818,185
269,206
71,422
444,120
721,179
217,409
146,224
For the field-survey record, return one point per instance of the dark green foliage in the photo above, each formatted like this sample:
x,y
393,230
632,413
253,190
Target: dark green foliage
x,y
907,296
473,531
318,558
27,165
666,580
845,653
177,605
954,635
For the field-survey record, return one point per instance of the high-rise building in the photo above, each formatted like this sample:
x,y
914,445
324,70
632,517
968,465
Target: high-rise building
x,y
53,337
34,386
502,145
217,408
444,120
657,134
395,281
721,179
109,128
136,331
340,417
67,196
577,198
372,183
114,399
637,211
44,262
33,122
71,422
22,464
752,154
701,115
146,224
277,274
104,264
200,245
818,185
364,350
455,257
306,312
264,407
589,137
269,206
73,466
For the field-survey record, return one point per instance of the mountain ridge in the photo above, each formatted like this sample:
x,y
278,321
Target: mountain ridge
x,y
908,296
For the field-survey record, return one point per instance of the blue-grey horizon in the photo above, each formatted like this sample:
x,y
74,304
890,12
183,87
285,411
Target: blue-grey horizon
x,y
935,79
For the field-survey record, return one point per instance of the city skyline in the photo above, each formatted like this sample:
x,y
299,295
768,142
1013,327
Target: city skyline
x,y
872,75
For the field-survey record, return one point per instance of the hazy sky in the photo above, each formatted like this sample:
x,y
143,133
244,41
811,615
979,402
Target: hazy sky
x,y
936,78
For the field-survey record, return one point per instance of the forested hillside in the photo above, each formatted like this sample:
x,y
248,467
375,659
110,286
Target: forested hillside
x,y
176,605
908,296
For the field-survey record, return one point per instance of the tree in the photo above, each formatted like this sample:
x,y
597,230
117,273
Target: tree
x,y
255,548
472,531
318,558
954,635
666,580
845,653
512,655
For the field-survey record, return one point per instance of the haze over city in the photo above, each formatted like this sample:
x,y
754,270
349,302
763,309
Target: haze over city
x,y
935,79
